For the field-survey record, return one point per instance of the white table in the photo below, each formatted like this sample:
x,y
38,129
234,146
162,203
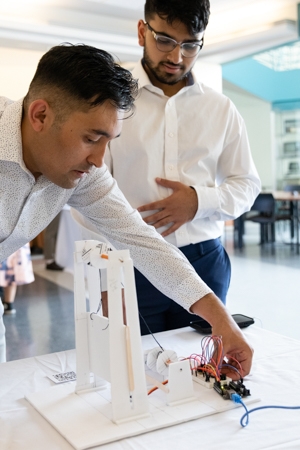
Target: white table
x,y
274,378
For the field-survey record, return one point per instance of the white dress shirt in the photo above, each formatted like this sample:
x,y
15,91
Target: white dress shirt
x,y
28,205
196,137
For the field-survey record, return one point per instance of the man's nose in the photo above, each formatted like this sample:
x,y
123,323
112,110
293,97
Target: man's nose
x,y
96,158
175,55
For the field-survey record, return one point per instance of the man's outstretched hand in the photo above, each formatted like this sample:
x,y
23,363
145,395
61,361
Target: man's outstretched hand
x,y
235,346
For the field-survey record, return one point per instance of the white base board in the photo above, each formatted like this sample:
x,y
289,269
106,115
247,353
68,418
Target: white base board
x,y
84,420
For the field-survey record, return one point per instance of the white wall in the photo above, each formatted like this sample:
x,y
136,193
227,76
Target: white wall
x,y
257,114
17,69
209,74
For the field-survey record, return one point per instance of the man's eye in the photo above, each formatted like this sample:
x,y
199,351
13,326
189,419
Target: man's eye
x,y
164,41
191,46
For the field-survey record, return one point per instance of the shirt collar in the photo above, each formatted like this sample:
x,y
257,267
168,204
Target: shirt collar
x,y
141,75
10,131
144,81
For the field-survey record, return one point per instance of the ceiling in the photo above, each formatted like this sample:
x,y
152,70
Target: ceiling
x,y
237,27
272,76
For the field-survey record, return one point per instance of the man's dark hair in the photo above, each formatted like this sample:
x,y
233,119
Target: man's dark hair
x,y
194,14
81,76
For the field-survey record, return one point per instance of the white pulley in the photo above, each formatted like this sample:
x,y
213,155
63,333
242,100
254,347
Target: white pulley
x,y
158,360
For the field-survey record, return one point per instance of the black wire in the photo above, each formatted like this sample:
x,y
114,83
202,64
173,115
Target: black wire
x,y
151,331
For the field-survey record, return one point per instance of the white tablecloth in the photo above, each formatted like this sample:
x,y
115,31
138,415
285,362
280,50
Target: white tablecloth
x,y
274,378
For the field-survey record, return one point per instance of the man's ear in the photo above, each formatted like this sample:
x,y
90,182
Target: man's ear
x,y
40,115
142,28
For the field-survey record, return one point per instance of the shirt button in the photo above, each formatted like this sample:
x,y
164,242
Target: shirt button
x,y
171,135
171,167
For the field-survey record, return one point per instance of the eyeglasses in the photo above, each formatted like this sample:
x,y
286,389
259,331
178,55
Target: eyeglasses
x,y
166,44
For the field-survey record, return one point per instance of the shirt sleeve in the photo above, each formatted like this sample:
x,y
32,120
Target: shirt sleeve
x,y
237,180
99,199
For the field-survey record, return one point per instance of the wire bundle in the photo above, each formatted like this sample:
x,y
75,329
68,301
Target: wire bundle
x,y
212,360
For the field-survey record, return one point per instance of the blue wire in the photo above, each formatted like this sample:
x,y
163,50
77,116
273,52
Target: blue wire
x,y
237,399
264,407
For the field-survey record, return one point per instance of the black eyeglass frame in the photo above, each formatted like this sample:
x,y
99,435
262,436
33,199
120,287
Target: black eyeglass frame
x,y
181,45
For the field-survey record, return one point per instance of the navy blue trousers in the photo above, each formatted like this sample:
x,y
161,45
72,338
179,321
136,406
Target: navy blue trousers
x,y
160,313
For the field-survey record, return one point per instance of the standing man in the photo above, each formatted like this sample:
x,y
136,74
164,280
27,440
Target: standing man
x,y
50,237
183,160
52,146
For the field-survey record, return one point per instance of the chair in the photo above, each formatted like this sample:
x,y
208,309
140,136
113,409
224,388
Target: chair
x,y
238,231
292,188
264,212
287,207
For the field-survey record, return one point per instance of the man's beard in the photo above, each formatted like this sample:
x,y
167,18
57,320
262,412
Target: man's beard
x,y
165,78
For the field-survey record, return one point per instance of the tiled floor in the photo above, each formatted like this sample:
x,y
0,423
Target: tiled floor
x,y
265,285
44,322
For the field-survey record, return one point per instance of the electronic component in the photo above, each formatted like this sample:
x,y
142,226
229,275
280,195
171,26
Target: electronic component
x,y
224,387
207,367
227,387
203,378
240,388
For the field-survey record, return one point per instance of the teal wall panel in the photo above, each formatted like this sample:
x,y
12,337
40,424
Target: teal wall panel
x,y
273,86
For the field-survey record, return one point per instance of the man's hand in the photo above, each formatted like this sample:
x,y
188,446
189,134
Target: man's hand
x,y
236,348
234,343
180,207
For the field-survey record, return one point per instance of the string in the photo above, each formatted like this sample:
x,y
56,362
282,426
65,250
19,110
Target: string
x,y
150,332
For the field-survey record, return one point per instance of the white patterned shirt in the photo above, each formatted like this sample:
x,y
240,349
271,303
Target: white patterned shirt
x,y
27,206
196,137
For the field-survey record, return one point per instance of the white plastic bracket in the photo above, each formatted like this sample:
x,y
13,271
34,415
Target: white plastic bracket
x,y
180,383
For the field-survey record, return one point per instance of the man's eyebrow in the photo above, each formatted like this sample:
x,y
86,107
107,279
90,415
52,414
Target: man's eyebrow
x,y
186,41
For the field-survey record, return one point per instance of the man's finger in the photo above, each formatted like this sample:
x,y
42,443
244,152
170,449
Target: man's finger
x,y
151,206
167,183
171,230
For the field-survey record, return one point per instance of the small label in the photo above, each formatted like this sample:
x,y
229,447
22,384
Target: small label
x,y
63,377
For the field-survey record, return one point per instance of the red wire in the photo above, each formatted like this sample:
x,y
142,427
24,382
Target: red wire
x,y
155,387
